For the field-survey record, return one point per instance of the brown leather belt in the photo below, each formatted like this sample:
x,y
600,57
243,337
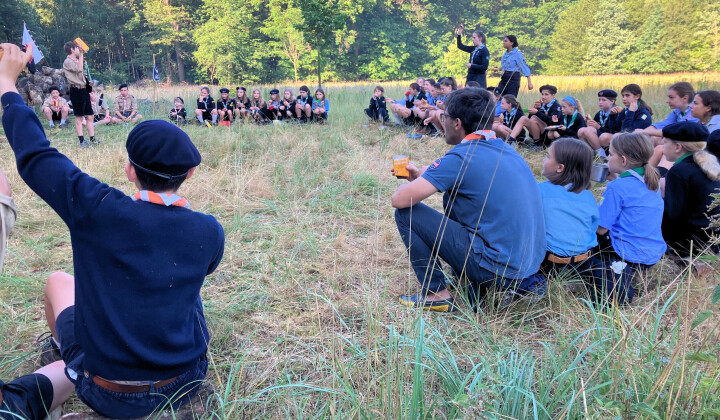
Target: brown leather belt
x,y
567,260
126,388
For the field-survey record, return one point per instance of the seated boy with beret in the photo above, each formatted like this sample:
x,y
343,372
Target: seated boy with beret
x,y
130,323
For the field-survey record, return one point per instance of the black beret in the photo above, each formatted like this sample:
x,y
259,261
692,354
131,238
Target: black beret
x,y
124,85
274,91
607,93
685,131
240,88
162,149
713,143
224,90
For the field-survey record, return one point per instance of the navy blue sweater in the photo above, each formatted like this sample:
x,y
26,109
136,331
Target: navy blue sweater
x,y
632,120
138,266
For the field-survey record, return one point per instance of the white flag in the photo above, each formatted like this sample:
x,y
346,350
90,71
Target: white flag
x,y
27,39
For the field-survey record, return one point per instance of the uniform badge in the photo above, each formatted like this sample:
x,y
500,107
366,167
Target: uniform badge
x,y
435,164
644,117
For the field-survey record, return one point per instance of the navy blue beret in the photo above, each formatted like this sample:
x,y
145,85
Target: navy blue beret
x,y
713,143
685,131
240,88
607,93
224,90
162,149
275,91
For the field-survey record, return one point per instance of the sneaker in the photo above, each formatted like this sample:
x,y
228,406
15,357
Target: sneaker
x,y
95,142
63,125
418,301
208,124
51,124
416,136
49,349
511,296
84,144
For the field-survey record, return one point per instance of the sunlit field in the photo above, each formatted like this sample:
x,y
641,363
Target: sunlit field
x,y
303,310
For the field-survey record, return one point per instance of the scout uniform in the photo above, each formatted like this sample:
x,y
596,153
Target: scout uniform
x,y
226,104
513,65
100,109
56,106
479,62
125,105
79,96
377,109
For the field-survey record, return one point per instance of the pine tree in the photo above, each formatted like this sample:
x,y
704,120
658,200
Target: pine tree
x,y
651,50
569,40
608,39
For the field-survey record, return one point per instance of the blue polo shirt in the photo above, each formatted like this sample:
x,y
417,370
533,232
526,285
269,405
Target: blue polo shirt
x,y
674,117
498,108
571,219
484,183
633,215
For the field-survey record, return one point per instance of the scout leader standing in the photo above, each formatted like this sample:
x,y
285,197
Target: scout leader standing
x,y
79,95
130,321
125,107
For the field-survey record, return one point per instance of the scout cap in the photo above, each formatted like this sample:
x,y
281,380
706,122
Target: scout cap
x,y
686,131
162,149
607,93
224,90
274,91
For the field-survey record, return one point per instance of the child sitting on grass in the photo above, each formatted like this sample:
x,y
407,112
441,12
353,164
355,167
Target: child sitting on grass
x,y
512,114
377,111
287,105
630,237
258,107
320,106
606,120
571,212
178,112
206,108
139,263
570,123
55,108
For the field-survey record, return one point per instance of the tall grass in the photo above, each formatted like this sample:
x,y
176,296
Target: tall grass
x,y
303,311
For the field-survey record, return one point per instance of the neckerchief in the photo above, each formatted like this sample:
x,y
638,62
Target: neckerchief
x,y
480,134
604,114
636,172
205,102
475,51
162,198
683,115
505,57
303,101
546,107
57,105
683,157
572,120
508,117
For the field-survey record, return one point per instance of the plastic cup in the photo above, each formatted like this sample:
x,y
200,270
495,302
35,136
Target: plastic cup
x,y
400,163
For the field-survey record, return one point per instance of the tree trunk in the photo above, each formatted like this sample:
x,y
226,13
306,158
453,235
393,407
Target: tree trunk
x,y
180,62
319,65
167,70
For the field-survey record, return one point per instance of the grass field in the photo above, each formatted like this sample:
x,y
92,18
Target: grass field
x,y
303,309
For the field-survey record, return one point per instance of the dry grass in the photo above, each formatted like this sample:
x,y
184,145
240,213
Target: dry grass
x,y
303,311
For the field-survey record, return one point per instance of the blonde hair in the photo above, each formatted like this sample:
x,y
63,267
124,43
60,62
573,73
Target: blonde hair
x,y
578,108
261,101
704,159
637,148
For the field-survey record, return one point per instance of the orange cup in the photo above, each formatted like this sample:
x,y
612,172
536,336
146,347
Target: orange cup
x,y
83,46
399,165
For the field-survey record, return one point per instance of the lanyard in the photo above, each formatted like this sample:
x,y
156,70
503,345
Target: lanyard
x,y
572,120
475,51
604,114
162,198
509,116
546,107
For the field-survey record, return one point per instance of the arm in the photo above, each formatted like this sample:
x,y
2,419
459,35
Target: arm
x,y
676,197
412,193
572,131
463,47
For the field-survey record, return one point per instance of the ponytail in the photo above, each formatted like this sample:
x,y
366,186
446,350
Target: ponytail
x,y
638,149
643,104
652,177
704,159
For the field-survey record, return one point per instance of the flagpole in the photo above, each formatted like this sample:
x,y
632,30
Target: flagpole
x,y
154,87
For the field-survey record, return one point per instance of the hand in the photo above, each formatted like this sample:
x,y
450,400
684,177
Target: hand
x,y
554,118
460,29
530,85
537,104
12,63
496,68
413,171
616,110
469,65
592,123
532,111
633,106
562,127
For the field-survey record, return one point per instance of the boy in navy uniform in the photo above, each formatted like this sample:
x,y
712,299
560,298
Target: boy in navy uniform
x,y
130,324
547,111
480,177
606,120
36,395
377,111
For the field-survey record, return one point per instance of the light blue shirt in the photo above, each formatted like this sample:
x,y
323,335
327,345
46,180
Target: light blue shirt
x,y
571,219
675,116
633,215
714,123
514,61
323,104
498,108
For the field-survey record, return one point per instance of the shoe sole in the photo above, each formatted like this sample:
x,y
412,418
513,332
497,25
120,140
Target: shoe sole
x,y
436,308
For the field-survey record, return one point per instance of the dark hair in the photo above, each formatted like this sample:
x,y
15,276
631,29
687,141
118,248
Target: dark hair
x,y
205,88
320,90
577,157
473,106
481,35
513,39
53,88
124,85
449,81
711,98
635,90
304,88
380,88
69,46
415,86
472,83
511,100
550,88
180,99
155,183
683,89
431,81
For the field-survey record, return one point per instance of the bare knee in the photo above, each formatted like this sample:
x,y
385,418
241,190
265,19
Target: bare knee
x,y
59,280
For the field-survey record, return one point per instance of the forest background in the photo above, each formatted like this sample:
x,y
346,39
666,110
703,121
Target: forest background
x,y
267,41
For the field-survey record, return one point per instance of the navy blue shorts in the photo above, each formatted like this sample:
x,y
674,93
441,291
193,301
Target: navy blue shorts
x,y
115,404
28,396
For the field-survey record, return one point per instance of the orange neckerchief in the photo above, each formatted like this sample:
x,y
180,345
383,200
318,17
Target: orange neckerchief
x,y
163,198
480,134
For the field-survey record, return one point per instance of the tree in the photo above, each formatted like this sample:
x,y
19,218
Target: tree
x,y
705,47
320,20
608,39
285,39
568,42
651,50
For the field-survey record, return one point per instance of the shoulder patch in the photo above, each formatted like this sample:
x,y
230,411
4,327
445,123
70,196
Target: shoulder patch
x,y
435,164
644,117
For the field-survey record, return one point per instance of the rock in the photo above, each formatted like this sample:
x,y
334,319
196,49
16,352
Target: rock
x,y
47,71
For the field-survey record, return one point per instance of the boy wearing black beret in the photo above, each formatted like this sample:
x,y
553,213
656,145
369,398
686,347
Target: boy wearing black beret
x,y
688,188
130,323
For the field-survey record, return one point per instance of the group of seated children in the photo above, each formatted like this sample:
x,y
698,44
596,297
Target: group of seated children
x,y
225,110
56,108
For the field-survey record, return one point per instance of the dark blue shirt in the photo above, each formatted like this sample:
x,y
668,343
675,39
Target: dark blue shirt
x,y
138,266
631,121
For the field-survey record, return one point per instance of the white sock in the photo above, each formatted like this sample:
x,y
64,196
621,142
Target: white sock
x,y
397,118
62,121
601,152
200,118
51,123
214,118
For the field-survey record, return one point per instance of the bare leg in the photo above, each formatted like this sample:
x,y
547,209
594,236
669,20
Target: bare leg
x,y
605,139
59,295
89,119
522,122
62,387
48,113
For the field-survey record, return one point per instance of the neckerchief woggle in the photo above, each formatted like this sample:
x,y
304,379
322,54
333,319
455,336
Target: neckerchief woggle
x,y
480,134
546,107
603,120
162,198
509,116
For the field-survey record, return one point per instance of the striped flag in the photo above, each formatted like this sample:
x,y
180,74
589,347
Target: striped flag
x,y
27,40
156,73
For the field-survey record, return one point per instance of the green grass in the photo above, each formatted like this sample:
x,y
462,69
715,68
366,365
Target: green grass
x,y
303,309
